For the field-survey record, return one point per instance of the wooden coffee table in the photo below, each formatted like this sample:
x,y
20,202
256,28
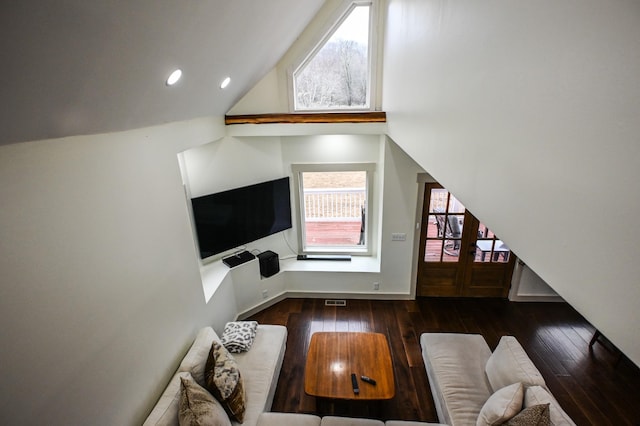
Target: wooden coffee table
x,y
333,356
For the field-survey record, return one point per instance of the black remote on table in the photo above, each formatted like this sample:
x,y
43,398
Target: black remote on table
x,y
368,380
354,383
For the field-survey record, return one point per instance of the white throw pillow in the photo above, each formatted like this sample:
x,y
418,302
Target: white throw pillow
x,y
199,407
238,335
509,364
504,404
536,395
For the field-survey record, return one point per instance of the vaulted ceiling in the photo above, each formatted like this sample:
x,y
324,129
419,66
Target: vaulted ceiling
x,y
74,67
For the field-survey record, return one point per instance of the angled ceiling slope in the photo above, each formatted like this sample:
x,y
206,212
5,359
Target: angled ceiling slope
x,y
77,67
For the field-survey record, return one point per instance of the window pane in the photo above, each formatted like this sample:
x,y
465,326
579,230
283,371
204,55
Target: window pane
x,y
455,206
337,76
334,208
444,229
438,200
489,248
433,252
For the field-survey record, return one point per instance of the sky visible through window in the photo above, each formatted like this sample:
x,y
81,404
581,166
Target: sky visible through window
x,y
355,27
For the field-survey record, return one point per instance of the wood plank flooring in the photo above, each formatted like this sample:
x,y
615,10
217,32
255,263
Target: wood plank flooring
x,y
593,388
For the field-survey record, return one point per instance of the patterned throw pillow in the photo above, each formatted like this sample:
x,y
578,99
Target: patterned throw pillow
x,y
222,378
238,335
199,407
536,415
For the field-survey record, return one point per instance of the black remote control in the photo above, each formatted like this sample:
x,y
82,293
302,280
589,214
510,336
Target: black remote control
x,y
368,380
354,383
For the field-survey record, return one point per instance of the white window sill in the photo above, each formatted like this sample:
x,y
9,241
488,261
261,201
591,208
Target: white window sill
x,y
214,273
356,264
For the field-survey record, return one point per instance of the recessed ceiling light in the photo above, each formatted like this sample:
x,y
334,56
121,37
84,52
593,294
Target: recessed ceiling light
x,y
225,82
174,77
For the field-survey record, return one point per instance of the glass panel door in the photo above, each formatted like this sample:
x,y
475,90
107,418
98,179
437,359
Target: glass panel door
x,y
459,256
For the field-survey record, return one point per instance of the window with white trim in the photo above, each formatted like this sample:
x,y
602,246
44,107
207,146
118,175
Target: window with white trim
x,y
338,73
334,201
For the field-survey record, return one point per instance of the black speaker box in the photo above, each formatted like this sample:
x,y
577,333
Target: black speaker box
x,y
269,263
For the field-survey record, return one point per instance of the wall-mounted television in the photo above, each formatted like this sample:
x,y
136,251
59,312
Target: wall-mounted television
x,y
230,219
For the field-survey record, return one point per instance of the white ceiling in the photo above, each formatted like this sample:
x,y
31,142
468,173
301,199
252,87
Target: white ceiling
x,y
72,67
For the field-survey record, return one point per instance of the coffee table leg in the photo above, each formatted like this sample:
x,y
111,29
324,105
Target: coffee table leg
x,y
324,406
349,408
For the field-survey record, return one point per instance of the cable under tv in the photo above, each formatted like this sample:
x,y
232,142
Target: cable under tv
x,y
342,257
238,258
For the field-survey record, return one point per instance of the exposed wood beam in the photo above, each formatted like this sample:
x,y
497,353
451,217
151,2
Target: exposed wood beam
x,y
329,117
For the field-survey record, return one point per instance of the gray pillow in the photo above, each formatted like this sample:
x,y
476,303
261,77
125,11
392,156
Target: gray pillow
x,y
198,407
502,405
509,364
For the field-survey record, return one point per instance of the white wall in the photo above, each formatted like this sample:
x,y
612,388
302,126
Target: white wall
x,y
527,286
338,149
100,293
272,94
401,189
233,162
527,112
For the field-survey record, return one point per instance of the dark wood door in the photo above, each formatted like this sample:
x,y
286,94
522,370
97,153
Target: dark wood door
x,y
459,256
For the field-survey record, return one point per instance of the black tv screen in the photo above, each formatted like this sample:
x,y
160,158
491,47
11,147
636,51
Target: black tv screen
x,y
230,219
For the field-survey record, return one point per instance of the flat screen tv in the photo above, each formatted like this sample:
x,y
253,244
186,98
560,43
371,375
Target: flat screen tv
x,y
230,219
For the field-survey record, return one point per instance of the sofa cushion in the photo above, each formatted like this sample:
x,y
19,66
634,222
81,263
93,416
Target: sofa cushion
x,y
536,395
260,369
223,380
195,359
349,421
198,407
502,405
410,423
281,419
455,366
509,364
536,415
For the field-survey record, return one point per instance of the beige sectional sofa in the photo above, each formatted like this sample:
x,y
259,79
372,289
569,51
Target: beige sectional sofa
x,y
281,419
465,377
260,369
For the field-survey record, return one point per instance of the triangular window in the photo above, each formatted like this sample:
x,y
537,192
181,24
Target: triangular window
x,y
337,73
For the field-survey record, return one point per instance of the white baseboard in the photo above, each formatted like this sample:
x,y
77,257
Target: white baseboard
x,y
535,298
320,295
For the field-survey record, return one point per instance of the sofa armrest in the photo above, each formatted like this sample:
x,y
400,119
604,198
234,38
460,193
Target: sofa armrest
x,y
455,365
280,419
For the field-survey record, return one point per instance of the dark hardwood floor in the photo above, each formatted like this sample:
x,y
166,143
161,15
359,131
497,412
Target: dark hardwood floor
x,y
593,388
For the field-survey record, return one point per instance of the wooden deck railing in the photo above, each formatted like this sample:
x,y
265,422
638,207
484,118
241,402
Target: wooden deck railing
x,y
340,205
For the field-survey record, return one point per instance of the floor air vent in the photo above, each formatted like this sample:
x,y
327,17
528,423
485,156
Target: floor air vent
x,y
335,302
